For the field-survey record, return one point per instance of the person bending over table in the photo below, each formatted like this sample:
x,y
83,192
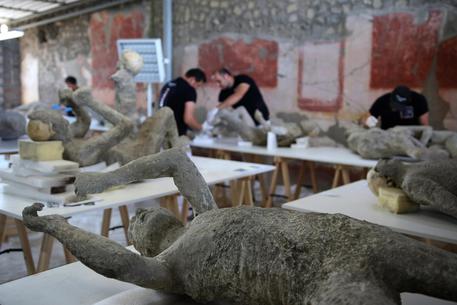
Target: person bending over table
x,y
180,95
240,90
402,106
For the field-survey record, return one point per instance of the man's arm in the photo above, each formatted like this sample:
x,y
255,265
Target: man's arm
x,y
240,91
421,108
423,119
101,254
377,108
189,119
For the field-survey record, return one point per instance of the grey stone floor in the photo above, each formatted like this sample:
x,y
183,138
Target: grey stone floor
x,y
12,264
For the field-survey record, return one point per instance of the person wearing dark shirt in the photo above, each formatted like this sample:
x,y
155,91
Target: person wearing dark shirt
x,y
402,106
180,95
240,90
71,83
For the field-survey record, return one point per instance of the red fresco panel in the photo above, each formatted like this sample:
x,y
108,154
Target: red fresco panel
x,y
258,59
105,29
402,51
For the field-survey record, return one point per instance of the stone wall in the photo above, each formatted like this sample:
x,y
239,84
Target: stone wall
x,y
84,47
326,58
10,82
52,52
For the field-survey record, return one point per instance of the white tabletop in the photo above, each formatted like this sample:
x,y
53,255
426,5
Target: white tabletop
x,y
357,201
213,171
75,284
332,155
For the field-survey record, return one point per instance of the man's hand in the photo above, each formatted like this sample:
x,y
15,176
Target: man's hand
x,y
189,118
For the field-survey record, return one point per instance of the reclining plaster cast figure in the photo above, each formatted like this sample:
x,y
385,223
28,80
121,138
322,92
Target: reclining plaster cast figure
x,y
239,122
444,140
376,143
50,125
252,255
129,65
432,183
12,125
157,132
111,146
418,142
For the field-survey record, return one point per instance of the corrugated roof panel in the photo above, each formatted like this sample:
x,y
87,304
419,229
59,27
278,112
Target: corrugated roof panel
x,y
13,9
13,14
41,6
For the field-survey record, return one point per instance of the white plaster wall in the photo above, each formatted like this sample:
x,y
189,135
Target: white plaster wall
x,y
29,79
284,96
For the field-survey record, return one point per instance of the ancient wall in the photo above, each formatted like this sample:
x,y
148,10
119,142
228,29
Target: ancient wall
x,y
10,81
325,58
84,47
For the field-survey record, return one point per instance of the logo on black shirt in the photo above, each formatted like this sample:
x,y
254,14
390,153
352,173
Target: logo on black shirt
x,y
407,112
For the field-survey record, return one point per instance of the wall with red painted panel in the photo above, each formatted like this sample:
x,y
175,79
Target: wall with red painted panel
x,y
84,47
257,58
105,28
339,76
402,49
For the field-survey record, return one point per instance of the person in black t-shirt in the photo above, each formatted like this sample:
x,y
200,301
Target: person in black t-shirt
x,y
402,106
240,90
180,95
71,83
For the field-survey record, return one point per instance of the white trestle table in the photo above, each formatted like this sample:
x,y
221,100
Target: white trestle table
x,y
357,201
341,158
213,171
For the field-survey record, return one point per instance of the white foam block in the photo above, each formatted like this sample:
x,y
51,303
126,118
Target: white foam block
x,y
302,140
25,172
36,181
244,143
44,190
35,195
54,166
299,146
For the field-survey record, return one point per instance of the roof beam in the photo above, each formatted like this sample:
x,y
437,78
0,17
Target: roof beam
x,y
54,1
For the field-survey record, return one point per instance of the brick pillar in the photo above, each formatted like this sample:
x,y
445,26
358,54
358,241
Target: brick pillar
x,y
10,74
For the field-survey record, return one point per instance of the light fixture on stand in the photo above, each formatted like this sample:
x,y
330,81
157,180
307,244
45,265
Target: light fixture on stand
x,y
5,33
